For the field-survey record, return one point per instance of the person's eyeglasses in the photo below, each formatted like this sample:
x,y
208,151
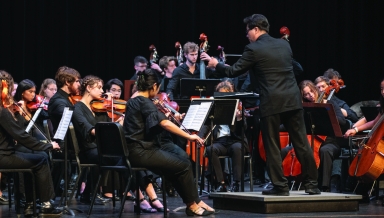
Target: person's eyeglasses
x,y
115,90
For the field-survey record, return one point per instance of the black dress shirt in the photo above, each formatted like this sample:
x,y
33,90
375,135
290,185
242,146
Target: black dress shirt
x,y
56,106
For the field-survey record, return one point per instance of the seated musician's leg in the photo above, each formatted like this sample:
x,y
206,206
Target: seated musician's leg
x,y
214,151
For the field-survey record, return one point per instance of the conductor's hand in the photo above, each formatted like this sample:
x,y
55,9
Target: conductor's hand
x,y
55,146
196,138
350,132
212,62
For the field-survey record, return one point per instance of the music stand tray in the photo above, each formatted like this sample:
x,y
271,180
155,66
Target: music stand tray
x,y
198,87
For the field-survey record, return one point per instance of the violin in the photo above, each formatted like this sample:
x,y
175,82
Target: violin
x,y
203,48
38,102
74,98
115,108
171,105
179,53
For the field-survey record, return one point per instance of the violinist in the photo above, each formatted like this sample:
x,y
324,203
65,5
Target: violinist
x,y
362,124
143,128
114,86
330,148
68,83
227,141
322,84
48,88
10,131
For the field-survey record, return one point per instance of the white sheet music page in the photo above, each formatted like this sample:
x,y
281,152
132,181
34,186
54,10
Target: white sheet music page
x,y
196,115
64,123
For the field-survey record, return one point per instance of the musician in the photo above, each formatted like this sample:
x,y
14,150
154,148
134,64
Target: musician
x,y
270,60
168,65
322,84
68,82
330,148
141,63
363,124
187,70
114,86
11,132
48,88
143,129
227,142
332,74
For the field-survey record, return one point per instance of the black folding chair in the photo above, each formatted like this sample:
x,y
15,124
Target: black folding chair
x,y
111,142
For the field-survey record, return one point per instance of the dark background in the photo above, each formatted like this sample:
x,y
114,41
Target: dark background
x,y
102,37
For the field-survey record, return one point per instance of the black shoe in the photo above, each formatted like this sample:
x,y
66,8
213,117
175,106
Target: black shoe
x,y
222,188
104,200
199,212
28,209
235,187
48,209
3,200
276,192
312,191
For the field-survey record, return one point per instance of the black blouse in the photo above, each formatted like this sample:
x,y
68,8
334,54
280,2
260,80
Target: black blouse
x,y
141,123
84,121
11,130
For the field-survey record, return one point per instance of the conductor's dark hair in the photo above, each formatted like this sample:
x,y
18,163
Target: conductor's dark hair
x,y
257,20
146,80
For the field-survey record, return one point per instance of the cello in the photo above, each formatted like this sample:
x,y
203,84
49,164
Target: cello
x,y
368,163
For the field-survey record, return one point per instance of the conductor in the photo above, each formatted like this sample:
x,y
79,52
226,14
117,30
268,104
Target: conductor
x,y
270,60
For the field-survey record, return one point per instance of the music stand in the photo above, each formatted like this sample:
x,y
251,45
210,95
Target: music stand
x,y
198,87
241,96
223,113
370,113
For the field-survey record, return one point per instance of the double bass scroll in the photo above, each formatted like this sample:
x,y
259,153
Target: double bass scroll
x,y
203,48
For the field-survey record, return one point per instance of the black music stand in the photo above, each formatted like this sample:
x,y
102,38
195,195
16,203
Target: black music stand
x,y
198,87
241,96
223,113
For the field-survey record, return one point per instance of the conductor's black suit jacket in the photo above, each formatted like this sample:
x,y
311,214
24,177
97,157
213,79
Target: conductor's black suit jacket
x,y
270,60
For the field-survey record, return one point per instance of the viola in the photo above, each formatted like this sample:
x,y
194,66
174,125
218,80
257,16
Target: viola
x,y
179,53
115,108
203,48
162,96
37,102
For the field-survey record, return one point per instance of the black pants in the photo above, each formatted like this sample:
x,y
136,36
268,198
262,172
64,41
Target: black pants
x,y
225,146
39,165
294,123
173,167
328,152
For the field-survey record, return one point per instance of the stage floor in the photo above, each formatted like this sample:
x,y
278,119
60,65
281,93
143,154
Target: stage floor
x,y
373,209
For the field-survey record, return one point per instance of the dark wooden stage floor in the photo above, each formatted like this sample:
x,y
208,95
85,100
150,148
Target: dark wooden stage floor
x,y
373,209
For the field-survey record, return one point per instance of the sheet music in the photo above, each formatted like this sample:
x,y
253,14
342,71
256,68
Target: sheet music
x,y
196,115
32,121
64,123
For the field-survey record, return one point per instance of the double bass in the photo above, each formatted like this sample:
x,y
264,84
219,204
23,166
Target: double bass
x,y
203,48
179,53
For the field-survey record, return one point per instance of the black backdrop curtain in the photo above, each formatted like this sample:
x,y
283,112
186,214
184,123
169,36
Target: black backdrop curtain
x,y
101,37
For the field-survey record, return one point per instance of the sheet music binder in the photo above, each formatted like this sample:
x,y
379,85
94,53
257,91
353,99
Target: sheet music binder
x,y
196,115
64,123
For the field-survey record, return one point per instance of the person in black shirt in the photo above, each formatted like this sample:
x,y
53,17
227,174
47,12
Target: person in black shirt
x,y
143,130
11,133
